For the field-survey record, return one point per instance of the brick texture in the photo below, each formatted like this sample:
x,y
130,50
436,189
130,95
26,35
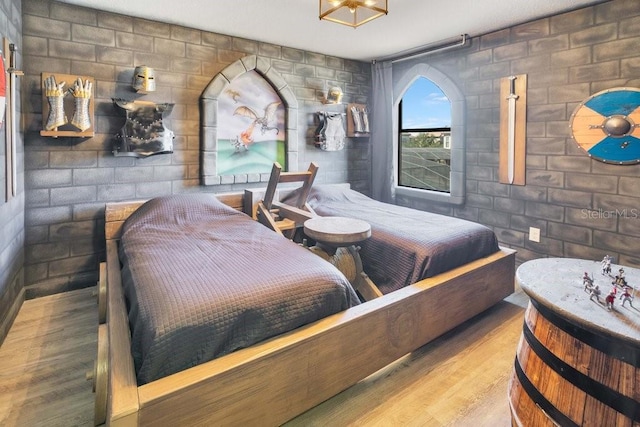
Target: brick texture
x,y
72,179
583,207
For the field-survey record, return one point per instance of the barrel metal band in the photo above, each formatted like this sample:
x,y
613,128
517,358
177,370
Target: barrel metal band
x,y
620,350
538,398
627,406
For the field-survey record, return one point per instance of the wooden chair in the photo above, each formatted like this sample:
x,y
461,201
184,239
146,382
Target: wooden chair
x,y
284,218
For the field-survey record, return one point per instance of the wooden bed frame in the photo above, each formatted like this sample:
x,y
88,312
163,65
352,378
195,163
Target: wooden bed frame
x,y
278,379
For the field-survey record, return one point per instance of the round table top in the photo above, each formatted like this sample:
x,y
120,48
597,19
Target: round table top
x,y
336,230
557,283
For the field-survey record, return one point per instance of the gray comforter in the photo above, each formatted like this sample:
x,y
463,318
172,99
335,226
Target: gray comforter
x,y
202,280
406,245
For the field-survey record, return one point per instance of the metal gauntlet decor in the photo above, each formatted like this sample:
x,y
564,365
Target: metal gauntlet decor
x,y
357,120
55,97
81,95
56,105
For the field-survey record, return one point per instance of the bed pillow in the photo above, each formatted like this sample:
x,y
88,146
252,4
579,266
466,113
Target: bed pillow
x,y
184,210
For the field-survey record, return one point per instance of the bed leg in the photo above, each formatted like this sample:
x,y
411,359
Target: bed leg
x,y
99,377
102,294
367,288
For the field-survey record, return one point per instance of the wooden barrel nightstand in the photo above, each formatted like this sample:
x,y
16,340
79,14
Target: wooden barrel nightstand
x,y
577,362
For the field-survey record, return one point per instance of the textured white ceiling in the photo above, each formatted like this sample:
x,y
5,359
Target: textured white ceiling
x,y
410,24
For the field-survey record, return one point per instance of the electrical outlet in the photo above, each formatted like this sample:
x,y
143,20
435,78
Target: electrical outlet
x,y
534,234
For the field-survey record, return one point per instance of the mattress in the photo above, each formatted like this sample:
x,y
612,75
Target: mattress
x,y
202,280
406,245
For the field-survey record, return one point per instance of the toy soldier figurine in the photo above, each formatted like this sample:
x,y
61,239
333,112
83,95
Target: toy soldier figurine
x,y
627,296
587,281
610,299
595,292
606,265
620,280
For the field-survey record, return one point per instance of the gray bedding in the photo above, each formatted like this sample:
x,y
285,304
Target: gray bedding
x,y
202,280
406,245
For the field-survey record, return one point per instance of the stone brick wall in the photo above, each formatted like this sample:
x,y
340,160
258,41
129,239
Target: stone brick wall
x,y
583,207
568,196
11,212
68,180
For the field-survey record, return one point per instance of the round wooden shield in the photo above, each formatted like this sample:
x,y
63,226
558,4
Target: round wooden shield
x,y
607,126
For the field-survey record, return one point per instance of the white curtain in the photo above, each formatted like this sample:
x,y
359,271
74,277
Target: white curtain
x,y
382,132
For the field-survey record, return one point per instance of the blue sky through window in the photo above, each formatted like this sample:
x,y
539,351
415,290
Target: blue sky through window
x,y
424,105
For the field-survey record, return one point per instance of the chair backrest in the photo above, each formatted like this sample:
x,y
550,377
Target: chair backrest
x,y
286,216
277,176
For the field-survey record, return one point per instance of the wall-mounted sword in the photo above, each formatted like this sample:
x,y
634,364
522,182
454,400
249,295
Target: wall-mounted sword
x,y
11,118
7,149
511,128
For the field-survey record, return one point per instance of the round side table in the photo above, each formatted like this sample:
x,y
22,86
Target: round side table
x,y
336,231
335,239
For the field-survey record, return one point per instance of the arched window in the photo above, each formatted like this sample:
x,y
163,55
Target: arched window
x,y
424,148
430,136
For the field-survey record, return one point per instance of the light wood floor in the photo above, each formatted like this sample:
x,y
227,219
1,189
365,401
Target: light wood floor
x,y
459,379
44,359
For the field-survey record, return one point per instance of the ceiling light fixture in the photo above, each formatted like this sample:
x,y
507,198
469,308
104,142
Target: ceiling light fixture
x,y
352,13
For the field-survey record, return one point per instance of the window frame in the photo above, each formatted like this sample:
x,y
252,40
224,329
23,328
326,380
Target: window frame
x,y
456,196
402,130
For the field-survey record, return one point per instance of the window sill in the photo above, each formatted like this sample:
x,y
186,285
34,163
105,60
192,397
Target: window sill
x,y
433,196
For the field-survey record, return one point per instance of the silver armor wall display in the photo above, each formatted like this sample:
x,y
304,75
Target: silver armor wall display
x,y
330,134
67,109
143,133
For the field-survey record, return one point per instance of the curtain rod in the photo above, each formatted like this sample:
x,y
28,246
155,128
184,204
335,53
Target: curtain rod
x,y
441,46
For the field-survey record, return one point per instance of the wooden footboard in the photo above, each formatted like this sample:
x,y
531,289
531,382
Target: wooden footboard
x,y
272,382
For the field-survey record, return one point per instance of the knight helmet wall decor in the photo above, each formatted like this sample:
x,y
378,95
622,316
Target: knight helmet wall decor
x,y
144,79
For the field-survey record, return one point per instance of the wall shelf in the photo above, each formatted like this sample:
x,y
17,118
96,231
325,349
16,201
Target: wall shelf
x,y
68,133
